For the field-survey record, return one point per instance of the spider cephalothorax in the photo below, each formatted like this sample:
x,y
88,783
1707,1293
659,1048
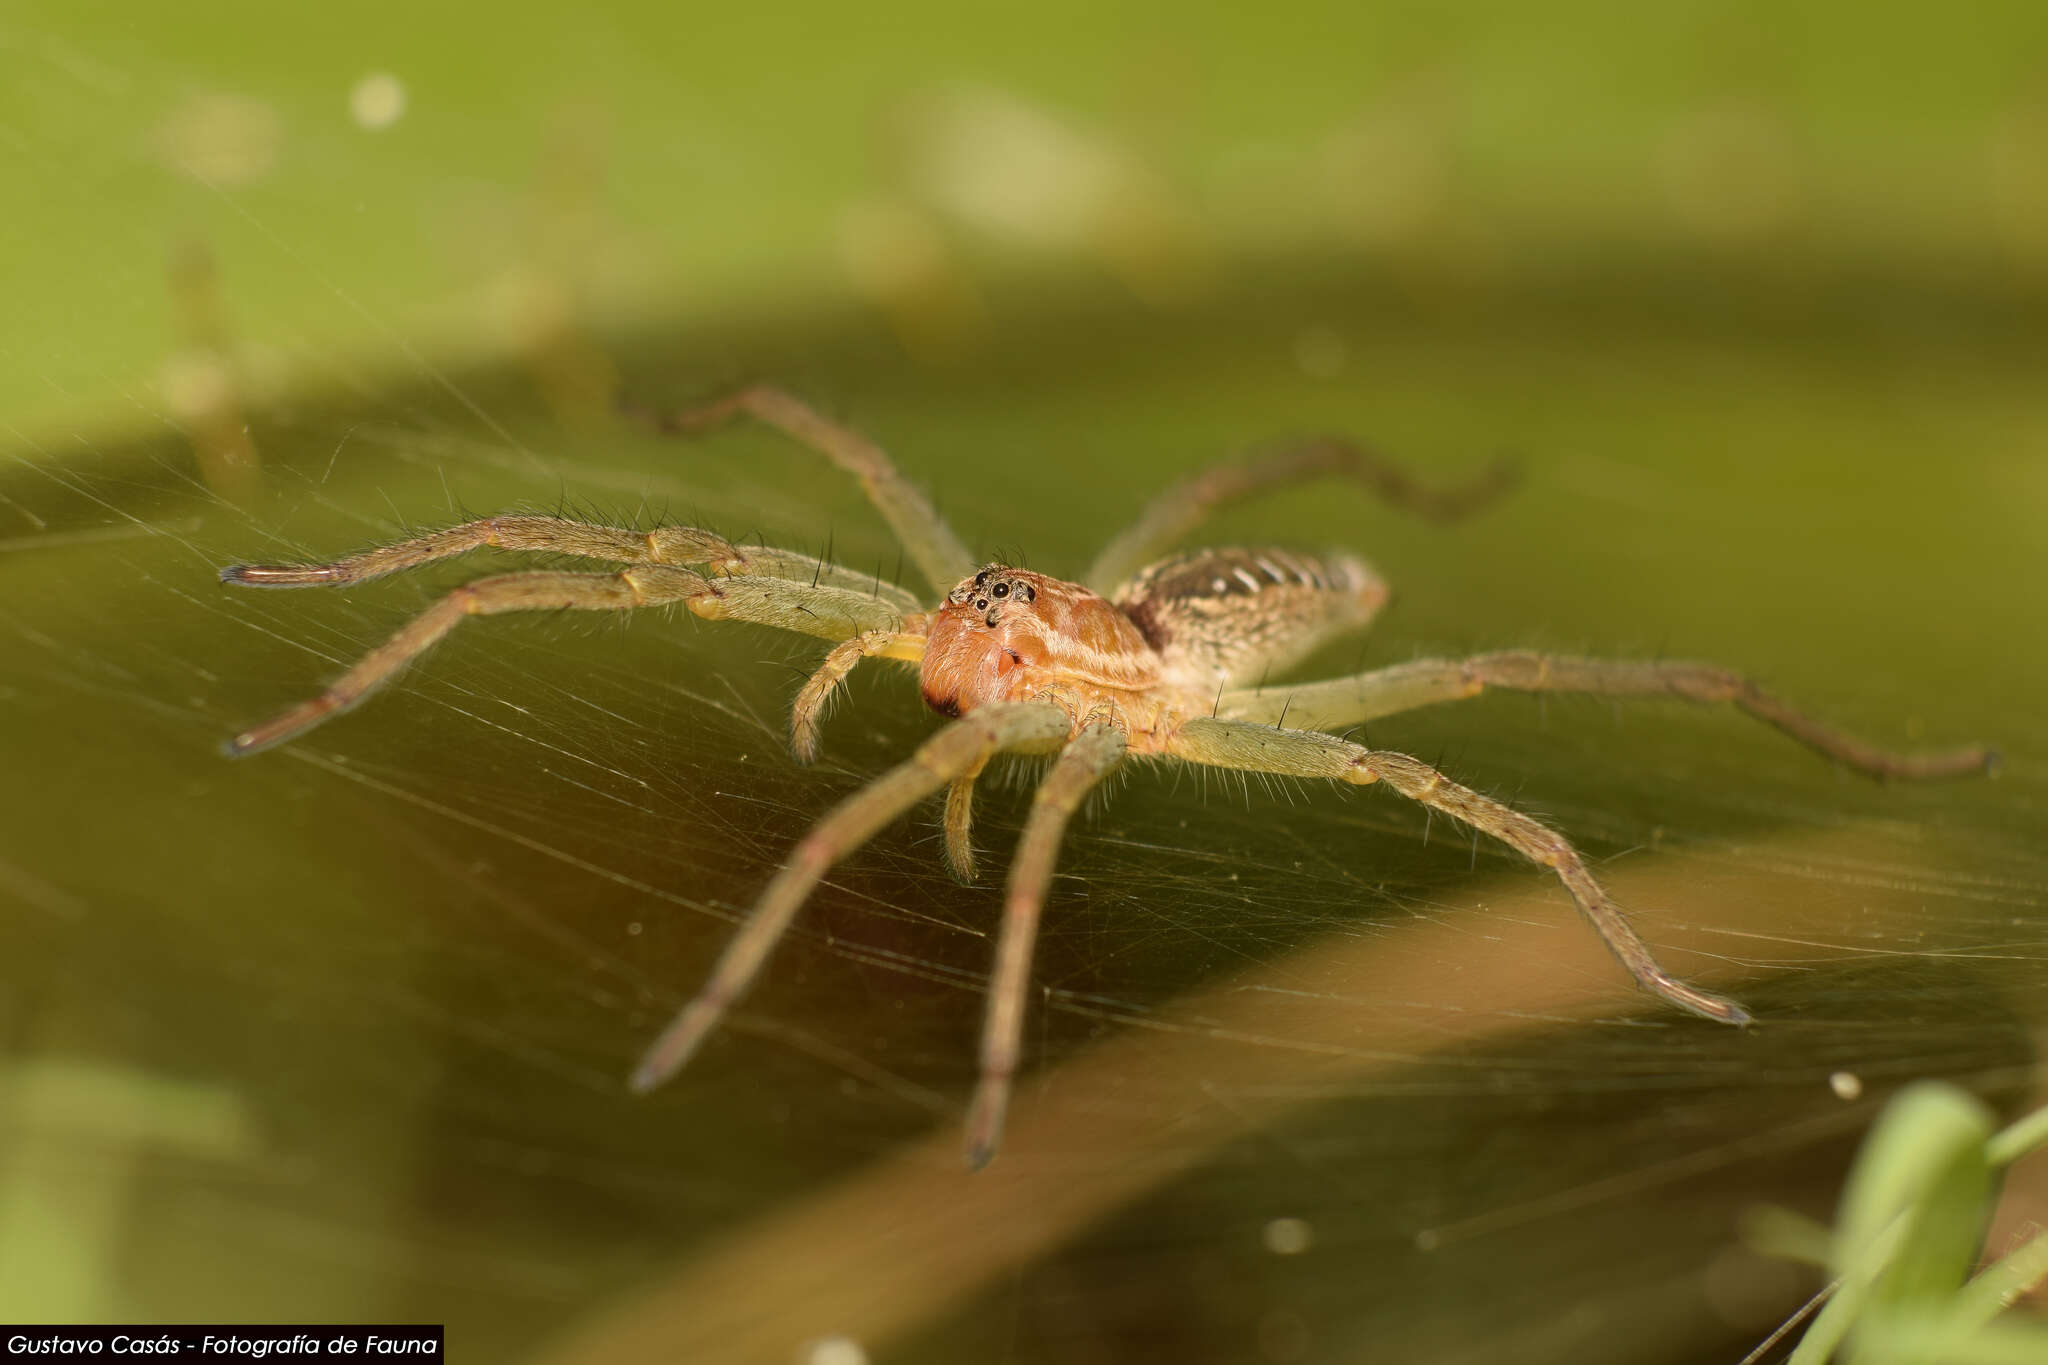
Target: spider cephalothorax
x,y
1169,660
1012,635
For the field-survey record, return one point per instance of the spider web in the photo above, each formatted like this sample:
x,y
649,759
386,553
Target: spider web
x,y
339,1032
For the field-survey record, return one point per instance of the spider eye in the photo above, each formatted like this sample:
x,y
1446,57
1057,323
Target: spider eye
x,y
1030,594
981,604
1001,590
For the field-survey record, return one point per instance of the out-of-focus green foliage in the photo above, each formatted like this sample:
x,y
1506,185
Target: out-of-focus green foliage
x,y
652,160
1909,1232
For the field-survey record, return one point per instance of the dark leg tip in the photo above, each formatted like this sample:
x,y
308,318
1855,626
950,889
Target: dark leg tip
x,y
283,575
1994,762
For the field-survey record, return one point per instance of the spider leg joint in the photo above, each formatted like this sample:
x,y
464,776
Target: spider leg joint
x,y
710,606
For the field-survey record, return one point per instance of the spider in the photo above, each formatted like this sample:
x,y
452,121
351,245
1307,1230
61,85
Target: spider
x,y
1162,659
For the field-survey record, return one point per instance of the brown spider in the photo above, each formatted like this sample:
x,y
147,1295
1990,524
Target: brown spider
x,y
1148,662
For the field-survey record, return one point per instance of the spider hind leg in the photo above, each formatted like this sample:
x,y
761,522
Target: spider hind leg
x,y
1307,753
1429,682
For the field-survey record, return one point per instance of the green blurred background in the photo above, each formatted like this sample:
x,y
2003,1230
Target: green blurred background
x,y
1755,293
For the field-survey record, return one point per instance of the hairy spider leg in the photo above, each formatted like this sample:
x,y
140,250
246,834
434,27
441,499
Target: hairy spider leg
x,y
832,613
1181,508
1305,753
961,745
960,826
551,535
541,591
924,534
525,533
1425,682
807,713
1083,764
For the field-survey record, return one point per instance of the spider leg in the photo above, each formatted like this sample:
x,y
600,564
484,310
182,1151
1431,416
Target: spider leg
x,y
765,561
1179,509
960,825
1304,753
832,613
939,553
964,744
1425,682
553,535
1084,763
809,708
542,591
584,540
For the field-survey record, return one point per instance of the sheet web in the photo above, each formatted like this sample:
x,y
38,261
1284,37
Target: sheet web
x,y
417,951
1311,1075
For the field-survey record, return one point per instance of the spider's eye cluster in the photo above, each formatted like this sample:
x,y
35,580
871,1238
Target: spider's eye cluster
x,y
992,587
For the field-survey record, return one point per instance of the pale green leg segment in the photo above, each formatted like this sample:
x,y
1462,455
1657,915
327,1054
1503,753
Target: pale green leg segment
x,y
959,747
1081,766
1181,508
1299,753
1425,682
925,536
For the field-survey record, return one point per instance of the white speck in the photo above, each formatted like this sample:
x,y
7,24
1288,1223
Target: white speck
x,y
1289,1236
1320,352
634,927
378,101
1218,585
1847,1085
834,1351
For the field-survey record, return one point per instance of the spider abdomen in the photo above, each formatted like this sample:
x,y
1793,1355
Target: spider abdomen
x,y
1224,617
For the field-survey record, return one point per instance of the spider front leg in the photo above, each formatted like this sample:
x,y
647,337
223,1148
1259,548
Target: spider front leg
x,y
647,585
965,744
1426,682
832,613
550,535
1092,756
1304,753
